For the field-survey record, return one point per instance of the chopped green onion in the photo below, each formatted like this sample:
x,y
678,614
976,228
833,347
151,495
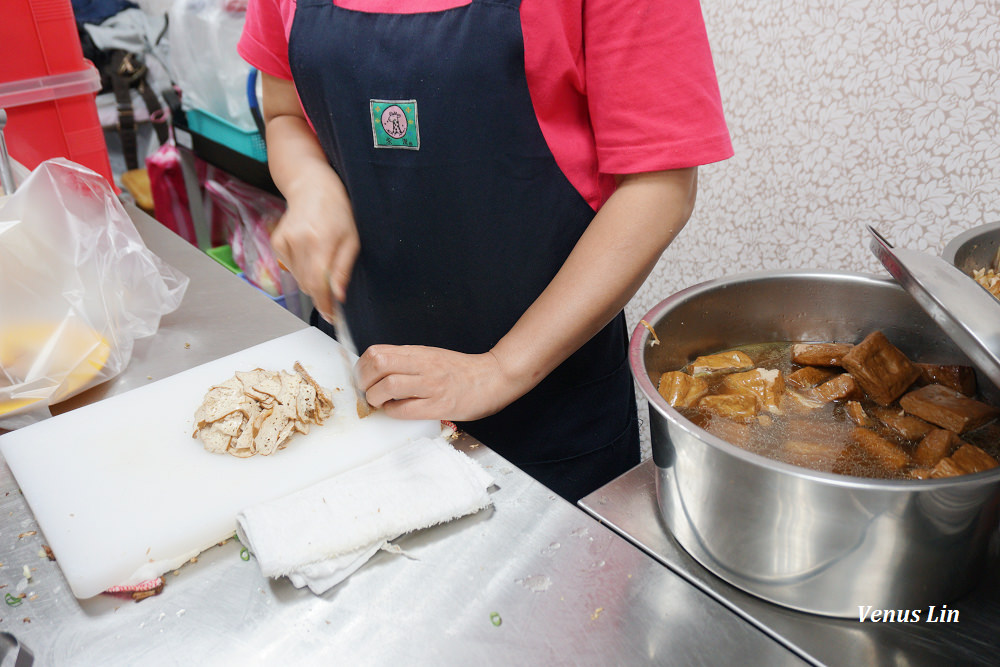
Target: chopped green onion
x,y
12,600
495,619
245,553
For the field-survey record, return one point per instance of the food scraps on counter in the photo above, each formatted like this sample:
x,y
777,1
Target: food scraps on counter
x,y
139,591
256,412
864,409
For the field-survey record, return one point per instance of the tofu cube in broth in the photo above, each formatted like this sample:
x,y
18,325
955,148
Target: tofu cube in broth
x,y
948,408
880,368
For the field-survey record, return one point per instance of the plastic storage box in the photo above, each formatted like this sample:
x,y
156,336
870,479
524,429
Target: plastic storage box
x,y
223,254
47,88
221,131
280,300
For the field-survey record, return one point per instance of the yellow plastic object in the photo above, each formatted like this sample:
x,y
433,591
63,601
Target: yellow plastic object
x,y
69,350
136,181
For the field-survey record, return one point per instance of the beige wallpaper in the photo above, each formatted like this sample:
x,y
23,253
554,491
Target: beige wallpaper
x,y
842,113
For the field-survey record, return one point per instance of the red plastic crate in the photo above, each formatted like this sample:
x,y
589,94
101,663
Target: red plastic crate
x,y
38,44
38,38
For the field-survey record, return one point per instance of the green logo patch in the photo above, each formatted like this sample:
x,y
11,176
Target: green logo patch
x,y
394,124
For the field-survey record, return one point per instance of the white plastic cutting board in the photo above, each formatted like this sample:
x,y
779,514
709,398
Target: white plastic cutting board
x,y
123,493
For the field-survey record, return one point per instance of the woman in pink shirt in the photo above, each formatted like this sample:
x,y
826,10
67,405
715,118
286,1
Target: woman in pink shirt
x,y
484,184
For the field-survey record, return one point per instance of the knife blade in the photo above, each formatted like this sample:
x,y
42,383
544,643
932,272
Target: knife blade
x,y
349,350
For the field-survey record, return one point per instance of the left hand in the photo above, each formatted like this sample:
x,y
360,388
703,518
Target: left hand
x,y
417,382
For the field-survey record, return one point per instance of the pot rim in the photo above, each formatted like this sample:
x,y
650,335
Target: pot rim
x,y
641,337
950,251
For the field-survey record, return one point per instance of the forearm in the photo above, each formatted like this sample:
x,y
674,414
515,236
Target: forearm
x,y
295,158
316,237
607,266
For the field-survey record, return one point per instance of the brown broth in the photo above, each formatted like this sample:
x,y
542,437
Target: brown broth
x,y
818,438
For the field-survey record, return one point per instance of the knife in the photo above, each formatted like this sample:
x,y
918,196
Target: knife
x,y
347,346
347,350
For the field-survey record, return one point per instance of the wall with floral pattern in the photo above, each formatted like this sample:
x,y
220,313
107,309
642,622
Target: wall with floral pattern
x,y
843,113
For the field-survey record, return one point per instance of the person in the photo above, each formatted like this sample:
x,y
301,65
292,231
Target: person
x,y
483,185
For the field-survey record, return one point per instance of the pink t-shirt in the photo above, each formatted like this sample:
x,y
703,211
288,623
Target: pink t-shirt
x,y
639,94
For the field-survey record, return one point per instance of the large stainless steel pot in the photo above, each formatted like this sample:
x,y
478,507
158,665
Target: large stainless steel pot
x,y
812,541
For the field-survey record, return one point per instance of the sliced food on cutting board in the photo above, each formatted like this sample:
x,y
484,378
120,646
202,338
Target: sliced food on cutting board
x,y
257,412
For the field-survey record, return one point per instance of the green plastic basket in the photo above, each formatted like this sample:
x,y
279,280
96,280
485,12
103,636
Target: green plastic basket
x,y
223,254
221,131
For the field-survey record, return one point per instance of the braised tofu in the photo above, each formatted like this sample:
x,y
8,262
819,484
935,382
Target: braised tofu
x,y
810,454
734,432
947,408
801,401
839,388
256,412
966,460
946,468
765,385
973,459
880,368
681,390
824,432
885,452
819,354
723,362
813,445
741,407
856,413
959,378
816,413
907,426
936,445
809,376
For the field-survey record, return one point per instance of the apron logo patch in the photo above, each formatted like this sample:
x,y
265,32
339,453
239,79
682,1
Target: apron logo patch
x,y
394,124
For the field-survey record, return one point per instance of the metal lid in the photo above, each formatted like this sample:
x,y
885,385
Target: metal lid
x,y
968,313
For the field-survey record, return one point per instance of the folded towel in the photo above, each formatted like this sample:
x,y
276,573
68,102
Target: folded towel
x,y
321,535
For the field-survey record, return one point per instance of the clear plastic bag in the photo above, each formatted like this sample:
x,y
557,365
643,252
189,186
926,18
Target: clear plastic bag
x,y
77,287
204,62
249,215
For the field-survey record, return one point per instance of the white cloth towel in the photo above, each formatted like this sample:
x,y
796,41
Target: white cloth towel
x,y
321,535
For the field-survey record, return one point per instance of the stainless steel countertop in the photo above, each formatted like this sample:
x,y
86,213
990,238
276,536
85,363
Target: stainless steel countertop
x,y
567,589
628,505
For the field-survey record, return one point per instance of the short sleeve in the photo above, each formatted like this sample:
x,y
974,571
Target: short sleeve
x,y
651,86
264,41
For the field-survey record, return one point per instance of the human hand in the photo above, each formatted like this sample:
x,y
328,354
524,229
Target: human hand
x,y
317,240
418,382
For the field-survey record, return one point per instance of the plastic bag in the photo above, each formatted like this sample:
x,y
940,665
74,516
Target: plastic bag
x,y
170,198
77,287
250,215
203,58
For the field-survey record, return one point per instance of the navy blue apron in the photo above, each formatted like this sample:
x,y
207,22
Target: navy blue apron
x,y
464,215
